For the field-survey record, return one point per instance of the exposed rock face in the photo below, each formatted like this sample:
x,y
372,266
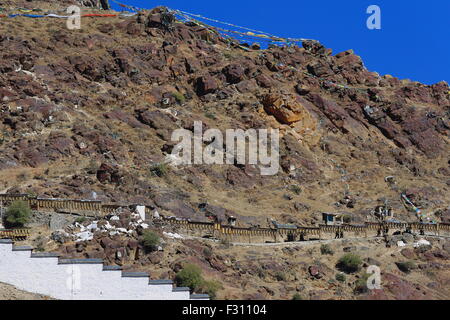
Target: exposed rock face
x,y
286,110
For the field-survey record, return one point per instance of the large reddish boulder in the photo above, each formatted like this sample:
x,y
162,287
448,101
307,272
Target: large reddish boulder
x,y
205,85
234,73
286,109
108,173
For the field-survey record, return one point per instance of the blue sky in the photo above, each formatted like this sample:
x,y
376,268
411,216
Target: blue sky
x,y
413,43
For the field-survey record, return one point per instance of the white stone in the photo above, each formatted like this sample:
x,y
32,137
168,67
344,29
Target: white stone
x,y
400,244
84,236
141,211
422,242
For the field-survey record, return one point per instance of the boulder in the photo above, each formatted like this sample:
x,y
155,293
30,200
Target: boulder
x,y
234,73
315,272
408,253
205,85
286,109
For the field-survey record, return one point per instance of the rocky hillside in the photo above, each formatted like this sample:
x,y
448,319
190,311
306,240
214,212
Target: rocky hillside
x,y
91,112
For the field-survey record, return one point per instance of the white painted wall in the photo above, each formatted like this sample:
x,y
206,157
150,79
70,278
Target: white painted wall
x,y
50,277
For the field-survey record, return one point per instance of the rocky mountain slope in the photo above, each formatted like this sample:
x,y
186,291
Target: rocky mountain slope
x,y
91,111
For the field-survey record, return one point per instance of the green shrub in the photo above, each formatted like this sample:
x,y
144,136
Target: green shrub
x,y
406,266
297,296
31,194
17,214
179,97
326,249
159,169
349,263
150,240
340,277
361,284
190,276
80,219
210,288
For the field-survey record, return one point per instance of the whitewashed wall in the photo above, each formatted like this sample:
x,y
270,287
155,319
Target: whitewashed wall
x,y
80,279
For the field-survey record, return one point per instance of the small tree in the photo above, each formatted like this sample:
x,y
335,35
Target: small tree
x,y
190,276
17,214
349,263
150,240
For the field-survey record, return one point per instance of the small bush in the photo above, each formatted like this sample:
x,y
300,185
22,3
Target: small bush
x,y
361,284
80,219
207,252
340,277
210,115
190,276
179,97
326,249
32,194
17,214
159,169
406,266
150,240
210,288
349,263
280,276
297,296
